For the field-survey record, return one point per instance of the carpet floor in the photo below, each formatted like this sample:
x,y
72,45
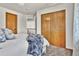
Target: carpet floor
x,y
56,51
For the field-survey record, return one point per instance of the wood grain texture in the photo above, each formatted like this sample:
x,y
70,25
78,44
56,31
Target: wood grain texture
x,y
11,22
45,27
53,28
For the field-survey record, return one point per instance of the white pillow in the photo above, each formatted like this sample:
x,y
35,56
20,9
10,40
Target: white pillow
x,y
46,43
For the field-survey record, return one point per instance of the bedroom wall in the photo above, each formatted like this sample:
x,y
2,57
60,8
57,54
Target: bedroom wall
x,y
69,20
76,30
20,18
30,24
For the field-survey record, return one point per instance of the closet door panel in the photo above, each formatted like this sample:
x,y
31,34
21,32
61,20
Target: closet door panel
x,y
53,28
11,22
58,28
45,27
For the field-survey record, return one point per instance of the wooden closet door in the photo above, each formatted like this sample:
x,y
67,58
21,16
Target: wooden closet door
x,y
45,26
58,28
11,22
53,28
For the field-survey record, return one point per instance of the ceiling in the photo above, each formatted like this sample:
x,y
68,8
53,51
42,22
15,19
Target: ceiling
x,y
27,8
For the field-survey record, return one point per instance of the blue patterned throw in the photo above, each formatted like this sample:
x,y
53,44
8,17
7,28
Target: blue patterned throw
x,y
35,45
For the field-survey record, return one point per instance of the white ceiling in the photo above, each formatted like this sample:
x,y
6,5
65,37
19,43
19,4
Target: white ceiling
x,y
27,8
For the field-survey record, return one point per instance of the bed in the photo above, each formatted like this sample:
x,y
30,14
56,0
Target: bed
x,y
15,47
19,47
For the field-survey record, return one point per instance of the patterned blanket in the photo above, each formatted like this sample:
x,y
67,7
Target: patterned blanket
x,y
6,34
35,45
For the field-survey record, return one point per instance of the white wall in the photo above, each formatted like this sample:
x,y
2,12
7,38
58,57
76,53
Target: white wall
x,y
69,19
76,30
21,19
30,24
22,24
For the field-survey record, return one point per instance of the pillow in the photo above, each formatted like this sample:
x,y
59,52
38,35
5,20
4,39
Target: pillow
x,y
2,36
8,34
45,45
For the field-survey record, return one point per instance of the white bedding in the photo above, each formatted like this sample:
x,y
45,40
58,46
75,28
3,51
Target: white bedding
x,y
18,46
15,47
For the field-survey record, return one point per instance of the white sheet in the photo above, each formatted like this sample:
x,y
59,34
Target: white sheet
x,y
16,47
